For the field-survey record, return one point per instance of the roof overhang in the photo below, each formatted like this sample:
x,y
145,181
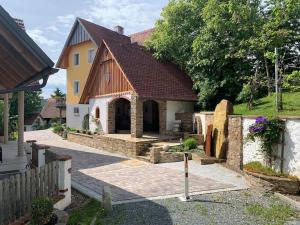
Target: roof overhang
x,y
22,62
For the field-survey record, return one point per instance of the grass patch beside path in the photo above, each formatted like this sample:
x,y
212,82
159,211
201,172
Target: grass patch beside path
x,y
85,214
275,214
266,106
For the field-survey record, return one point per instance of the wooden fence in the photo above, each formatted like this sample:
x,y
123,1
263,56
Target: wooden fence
x,y
18,191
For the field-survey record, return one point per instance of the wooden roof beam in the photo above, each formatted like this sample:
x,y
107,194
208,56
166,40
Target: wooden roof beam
x,y
11,53
34,62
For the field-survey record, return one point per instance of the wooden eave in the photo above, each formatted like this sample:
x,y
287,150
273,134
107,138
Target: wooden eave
x,y
22,62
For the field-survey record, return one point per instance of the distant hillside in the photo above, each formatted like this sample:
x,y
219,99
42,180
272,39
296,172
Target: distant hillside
x,y
266,106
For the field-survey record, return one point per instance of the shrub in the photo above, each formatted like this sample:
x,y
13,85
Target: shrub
x,y
42,209
58,128
292,82
190,144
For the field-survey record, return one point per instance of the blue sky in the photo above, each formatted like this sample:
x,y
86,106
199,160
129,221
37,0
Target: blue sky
x,y
49,22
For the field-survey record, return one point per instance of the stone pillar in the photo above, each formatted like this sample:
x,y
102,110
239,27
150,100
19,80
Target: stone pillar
x,y
235,142
136,117
6,117
162,116
111,117
64,181
21,123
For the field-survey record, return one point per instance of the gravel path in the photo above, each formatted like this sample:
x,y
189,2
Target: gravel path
x,y
226,208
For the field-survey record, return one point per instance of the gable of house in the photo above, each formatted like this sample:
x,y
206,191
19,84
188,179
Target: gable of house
x,y
106,77
85,31
148,77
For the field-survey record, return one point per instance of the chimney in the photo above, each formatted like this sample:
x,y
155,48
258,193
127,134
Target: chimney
x,y
20,23
119,29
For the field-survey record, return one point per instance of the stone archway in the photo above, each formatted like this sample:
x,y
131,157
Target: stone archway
x,y
119,118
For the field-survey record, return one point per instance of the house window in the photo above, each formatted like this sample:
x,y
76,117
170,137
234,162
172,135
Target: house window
x,y
76,87
91,55
97,114
76,110
76,59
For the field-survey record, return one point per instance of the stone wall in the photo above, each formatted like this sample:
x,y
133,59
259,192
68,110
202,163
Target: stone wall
x,y
186,121
291,153
157,155
241,151
235,143
102,142
206,118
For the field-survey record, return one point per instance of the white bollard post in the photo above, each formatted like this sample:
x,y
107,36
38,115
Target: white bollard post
x,y
64,181
186,179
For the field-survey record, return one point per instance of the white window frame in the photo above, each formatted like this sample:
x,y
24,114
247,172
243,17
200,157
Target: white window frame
x,y
91,60
74,90
74,59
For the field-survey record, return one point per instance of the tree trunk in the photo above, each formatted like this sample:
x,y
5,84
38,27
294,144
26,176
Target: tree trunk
x,y
268,77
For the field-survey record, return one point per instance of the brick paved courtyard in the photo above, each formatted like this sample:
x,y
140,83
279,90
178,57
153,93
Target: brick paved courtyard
x,y
131,179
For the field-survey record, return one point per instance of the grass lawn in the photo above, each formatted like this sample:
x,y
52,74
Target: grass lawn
x,y
266,106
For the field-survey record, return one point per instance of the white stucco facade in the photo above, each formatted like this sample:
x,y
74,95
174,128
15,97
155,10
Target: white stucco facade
x,y
291,157
74,120
177,107
102,104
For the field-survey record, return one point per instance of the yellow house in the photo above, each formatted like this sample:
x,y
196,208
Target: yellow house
x,y
77,58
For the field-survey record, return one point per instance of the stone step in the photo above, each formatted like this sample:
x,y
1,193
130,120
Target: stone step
x,y
145,158
206,160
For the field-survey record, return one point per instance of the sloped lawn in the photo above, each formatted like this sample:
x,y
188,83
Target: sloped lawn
x,y
266,106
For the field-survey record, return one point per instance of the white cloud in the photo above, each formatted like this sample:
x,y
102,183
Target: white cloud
x,y
52,28
66,20
58,78
39,36
133,15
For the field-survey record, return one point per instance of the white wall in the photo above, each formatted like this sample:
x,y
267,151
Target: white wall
x,y
75,121
176,107
102,103
291,147
250,149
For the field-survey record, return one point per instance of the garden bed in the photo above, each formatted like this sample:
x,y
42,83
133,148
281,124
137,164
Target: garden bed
x,y
273,183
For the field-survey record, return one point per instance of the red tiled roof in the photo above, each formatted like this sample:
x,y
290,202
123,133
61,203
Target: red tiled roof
x,y
50,111
98,33
142,36
149,77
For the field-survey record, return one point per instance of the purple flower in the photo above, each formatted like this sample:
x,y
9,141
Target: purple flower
x,y
261,119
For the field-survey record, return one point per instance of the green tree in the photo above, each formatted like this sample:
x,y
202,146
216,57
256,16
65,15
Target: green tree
x,y
32,103
58,94
224,44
